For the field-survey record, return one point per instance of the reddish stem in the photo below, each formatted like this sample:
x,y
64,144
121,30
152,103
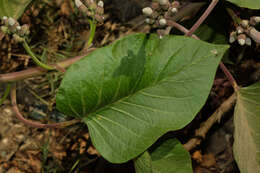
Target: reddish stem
x,y
180,27
229,76
202,18
16,76
33,123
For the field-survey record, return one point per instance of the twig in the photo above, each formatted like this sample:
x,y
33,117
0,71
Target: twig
x,y
203,17
16,76
215,117
33,123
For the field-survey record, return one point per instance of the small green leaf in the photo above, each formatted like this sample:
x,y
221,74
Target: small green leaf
x,y
143,163
247,129
13,8
169,157
135,90
253,4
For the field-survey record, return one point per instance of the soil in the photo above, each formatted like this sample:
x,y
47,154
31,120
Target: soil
x,y
57,31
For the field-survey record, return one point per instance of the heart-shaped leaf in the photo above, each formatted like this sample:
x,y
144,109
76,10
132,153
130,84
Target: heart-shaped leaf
x,y
135,90
253,4
168,157
13,8
247,129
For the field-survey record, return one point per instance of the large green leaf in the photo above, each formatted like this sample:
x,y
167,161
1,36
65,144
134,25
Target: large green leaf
x,y
253,4
13,8
169,157
247,129
140,87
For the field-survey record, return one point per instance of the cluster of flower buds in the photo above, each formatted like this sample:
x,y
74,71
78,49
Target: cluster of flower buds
x,y
12,26
245,31
159,12
91,9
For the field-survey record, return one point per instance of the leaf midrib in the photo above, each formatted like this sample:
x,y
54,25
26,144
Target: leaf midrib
x,y
158,82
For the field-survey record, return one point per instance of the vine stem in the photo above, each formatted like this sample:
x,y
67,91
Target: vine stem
x,y
36,71
35,59
229,76
202,18
33,123
6,93
233,15
221,65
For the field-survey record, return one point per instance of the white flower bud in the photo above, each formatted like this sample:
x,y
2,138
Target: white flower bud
x,y
78,3
18,27
147,11
257,19
174,10
162,22
147,20
11,21
232,37
241,39
241,42
245,23
100,4
5,18
163,2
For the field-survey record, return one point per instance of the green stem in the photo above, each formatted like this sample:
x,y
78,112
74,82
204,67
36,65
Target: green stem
x,y
92,31
35,59
6,93
234,17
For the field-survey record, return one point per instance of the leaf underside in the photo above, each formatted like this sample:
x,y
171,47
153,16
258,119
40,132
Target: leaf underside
x,y
247,130
252,4
13,8
135,90
169,157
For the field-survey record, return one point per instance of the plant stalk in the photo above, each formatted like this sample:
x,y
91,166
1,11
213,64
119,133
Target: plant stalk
x,y
202,18
36,71
33,123
92,32
35,59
